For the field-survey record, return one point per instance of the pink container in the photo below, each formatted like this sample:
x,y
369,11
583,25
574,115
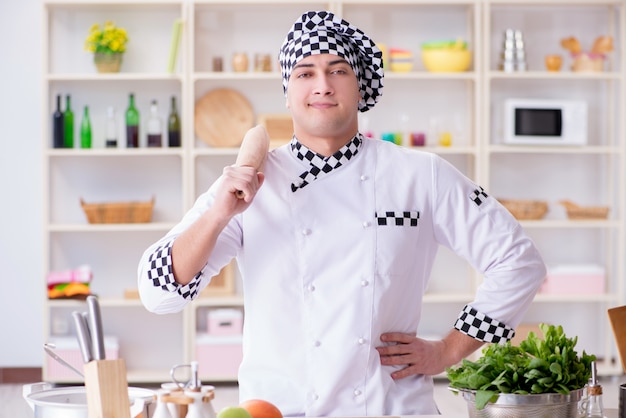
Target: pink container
x,y
574,280
67,349
219,356
224,322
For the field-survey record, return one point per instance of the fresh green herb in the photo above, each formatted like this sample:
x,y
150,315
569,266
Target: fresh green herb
x,y
548,365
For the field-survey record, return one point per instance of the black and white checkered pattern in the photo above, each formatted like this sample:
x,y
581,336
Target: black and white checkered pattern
x,y
161,273
321,164
398,218
478,196
481,327
324,33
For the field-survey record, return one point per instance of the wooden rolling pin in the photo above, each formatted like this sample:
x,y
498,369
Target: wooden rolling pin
x,y
253,150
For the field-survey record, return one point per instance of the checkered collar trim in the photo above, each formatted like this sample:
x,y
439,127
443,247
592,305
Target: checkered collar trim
x,y
321,165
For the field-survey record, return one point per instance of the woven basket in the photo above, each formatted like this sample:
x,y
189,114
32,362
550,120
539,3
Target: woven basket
x,y
118,212
526,209
584,212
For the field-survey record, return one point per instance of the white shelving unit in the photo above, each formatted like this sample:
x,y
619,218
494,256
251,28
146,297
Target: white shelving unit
x,y
102,175
417,101
590,175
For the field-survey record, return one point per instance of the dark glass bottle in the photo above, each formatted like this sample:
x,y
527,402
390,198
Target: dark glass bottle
x,y
132,123
57,125
68,124
173,126
155,135
85,130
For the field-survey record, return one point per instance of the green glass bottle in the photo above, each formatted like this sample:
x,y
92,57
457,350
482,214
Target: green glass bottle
x,y
132,123
85,130
68,124
173,126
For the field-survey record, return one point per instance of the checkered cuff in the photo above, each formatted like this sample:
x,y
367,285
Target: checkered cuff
x,y
481,327
161,273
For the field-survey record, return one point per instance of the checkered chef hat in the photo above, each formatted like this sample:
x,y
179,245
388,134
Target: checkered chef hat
x,y
324,33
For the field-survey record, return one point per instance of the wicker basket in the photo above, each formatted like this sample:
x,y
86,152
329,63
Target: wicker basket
x,y
118,212
526,209
584,212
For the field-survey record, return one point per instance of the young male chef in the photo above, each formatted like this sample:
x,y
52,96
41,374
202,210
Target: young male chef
x,y
335,241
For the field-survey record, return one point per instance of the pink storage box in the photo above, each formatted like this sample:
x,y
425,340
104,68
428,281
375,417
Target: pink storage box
x,y
225,321
67,349
581,279
219,356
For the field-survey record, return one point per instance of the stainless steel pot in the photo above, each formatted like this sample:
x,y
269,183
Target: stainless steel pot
x,y
71,402
552,405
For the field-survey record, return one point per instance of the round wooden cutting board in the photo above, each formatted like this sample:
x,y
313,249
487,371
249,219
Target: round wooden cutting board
x,y
222,117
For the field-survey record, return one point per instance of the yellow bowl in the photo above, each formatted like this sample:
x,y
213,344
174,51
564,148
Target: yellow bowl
x,y
447,60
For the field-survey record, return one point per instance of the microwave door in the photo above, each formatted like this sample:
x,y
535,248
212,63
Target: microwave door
x,y
538,124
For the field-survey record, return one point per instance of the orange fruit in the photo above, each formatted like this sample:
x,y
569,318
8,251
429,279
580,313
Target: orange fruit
x,y
259,408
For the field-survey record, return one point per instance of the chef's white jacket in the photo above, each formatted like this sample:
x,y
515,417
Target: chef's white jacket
x,y
323,278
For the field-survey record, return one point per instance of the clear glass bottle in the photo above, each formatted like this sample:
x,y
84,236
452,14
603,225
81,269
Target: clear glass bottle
x,y
110,134
132,123
595,409
68,124
85,129
155,132
593,406
173,126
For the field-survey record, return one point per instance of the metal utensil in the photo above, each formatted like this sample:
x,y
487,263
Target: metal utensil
x,y
95,325
49,349
82,334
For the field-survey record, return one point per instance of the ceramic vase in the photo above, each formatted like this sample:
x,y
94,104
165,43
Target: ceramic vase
x,y
108,63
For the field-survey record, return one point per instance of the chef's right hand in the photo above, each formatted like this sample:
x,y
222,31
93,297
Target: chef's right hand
x,y
245,180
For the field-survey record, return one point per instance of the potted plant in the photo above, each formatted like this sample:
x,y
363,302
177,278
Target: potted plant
x,y
108,44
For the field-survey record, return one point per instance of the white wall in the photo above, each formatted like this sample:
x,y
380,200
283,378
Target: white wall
x,y
21,290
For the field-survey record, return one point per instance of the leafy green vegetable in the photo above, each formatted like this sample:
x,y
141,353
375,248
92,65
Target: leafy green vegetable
x,y
548,365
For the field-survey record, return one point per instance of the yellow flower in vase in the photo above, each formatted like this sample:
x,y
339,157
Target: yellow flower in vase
x,y
108,43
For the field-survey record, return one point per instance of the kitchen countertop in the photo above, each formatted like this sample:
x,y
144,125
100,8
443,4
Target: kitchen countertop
x,y
608,413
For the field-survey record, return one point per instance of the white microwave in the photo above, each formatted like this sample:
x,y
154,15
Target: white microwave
x,y
545,122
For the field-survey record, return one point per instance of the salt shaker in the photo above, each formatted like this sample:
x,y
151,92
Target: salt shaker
x,y
161,410
208,393
195,409
174,389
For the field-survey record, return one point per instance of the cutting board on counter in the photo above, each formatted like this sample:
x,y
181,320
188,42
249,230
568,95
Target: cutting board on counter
x,y
222,117
618,322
